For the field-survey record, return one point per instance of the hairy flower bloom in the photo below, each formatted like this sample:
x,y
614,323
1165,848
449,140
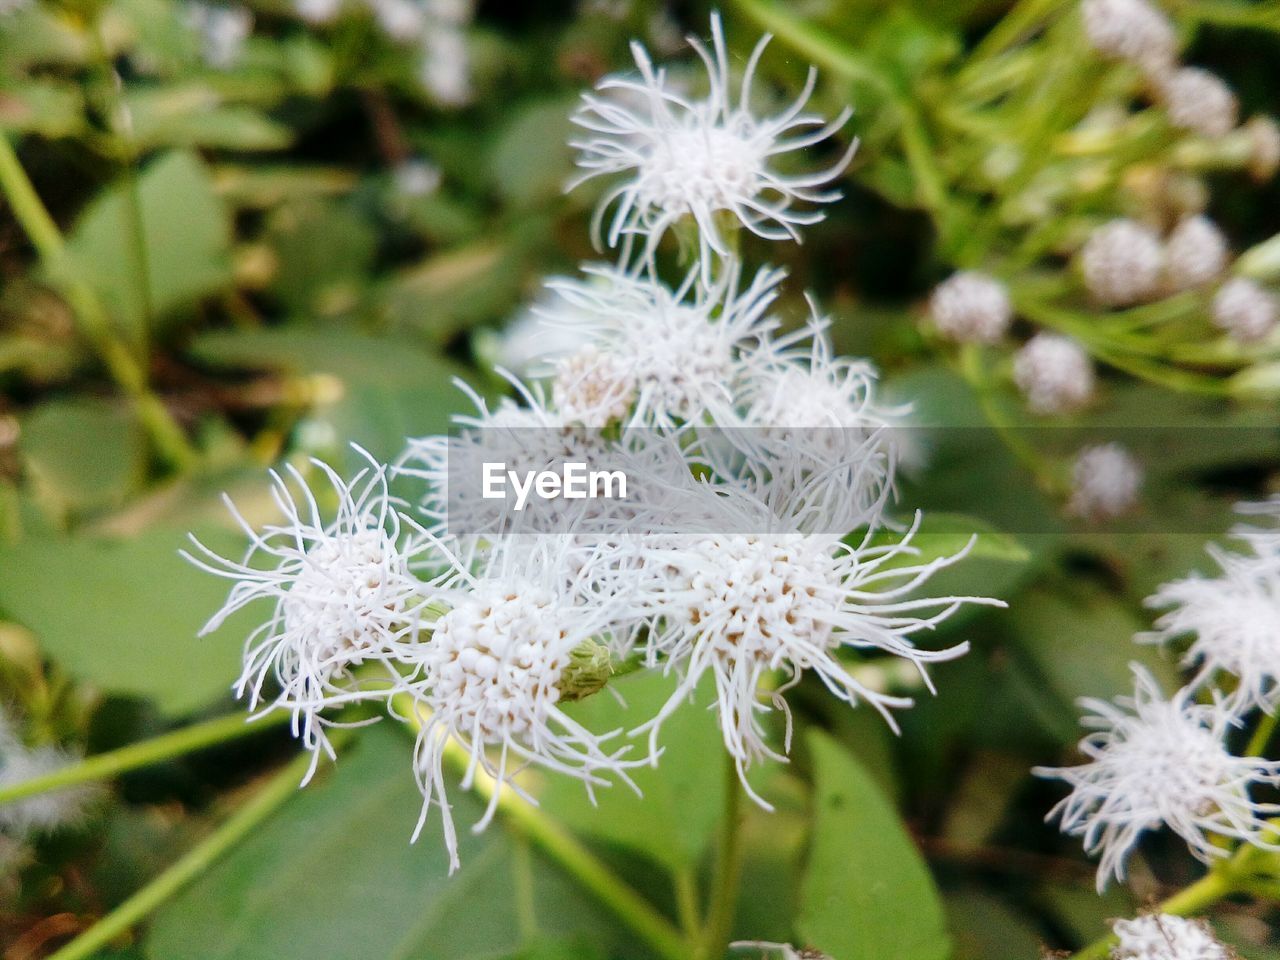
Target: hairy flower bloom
x,y
492,673
971,307
344,596
1264,540
44,812
1154,762
678,348
1054,373
681,156
1195,253
594,388
1199,101
1162,936
1105,482
1130,30
1121,263
1244,310
1235,620
751,595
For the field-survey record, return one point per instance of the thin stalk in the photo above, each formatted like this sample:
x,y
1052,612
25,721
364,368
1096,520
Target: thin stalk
x,y
686,891
102,766
728,869
191,865
1262,735
170,442
1013,27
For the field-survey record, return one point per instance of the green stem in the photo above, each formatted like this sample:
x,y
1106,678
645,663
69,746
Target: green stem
x,y
1015,25
1262,735
144,753
728,870
170,442
193,863
686,890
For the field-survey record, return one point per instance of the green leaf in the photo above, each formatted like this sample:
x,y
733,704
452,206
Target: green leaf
x,y
196,116
187,236
333,875
867,893
48,107
55,438
531,158
123,615
674,821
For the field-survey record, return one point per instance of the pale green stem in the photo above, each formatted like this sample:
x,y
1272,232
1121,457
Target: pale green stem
x,y
101,766
191,864
686,891
1262,735
170,442
1024,17
728,869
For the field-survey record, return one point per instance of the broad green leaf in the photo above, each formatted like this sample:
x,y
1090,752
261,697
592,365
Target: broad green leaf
x,y
195,115
55,443
333,875
187,235
47,107
531,158
675,819
325,250
866,894
123,615
988,929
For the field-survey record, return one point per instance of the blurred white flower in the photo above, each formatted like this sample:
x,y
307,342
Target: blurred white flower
x,y
416,178
1153,762
1264,146
1132,30
446,64
1122,263
1199,101
223,31
1234,619
344,596
681,156
971,307
741,605
785,950
43,812
594,388
1264,540
401,20
1195,253
1244,310
1162,936
1105,482
491,676
1054,373
317,11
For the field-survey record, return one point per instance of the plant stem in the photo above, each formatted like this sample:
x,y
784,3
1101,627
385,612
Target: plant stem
x,y
1262,735
131,376
199,858
144,753
686,890
728,870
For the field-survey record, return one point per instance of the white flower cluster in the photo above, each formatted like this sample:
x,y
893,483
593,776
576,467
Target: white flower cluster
x,y
437,27
1155,762
44,812
1162,936
770,557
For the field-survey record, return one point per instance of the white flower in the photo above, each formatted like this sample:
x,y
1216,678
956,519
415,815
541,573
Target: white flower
x,y
1162,936
1105,481
1264,540
971,307
416,178
1235,621
344,597
785,950
446,65
43,812
681,156
678,348
1199,101
1154,762
594,388
1195,253
1121,262
1054,373
317,11
1244,310
492,673
1264,146
1130,30
541,335
223,31
750,595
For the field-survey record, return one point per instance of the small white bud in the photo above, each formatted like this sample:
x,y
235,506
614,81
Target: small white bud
x,y
1105,482
971,307
416,178
1162,936
1244,310
1130,30
1199,101
1121,262
1264,146
1054,373
1195,254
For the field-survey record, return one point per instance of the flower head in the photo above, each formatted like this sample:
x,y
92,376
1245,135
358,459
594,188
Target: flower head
x,y
1153,762
1244,310
971,307
682,156
1199,101
1195,253
1130,30
44,812
1054,373
1162,936
222,30
1122,263
1234,619
492,675
344,597
1105,482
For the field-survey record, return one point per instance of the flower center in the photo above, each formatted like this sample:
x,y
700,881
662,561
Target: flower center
x,y
699,168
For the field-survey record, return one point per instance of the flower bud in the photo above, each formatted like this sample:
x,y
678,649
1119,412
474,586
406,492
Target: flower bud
x,y
1131,30
971,307
1121,262
1244,310
1195,254
1054,374
1199,101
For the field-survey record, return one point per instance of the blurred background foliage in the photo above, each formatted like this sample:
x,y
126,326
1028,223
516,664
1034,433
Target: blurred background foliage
x,y
267,253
